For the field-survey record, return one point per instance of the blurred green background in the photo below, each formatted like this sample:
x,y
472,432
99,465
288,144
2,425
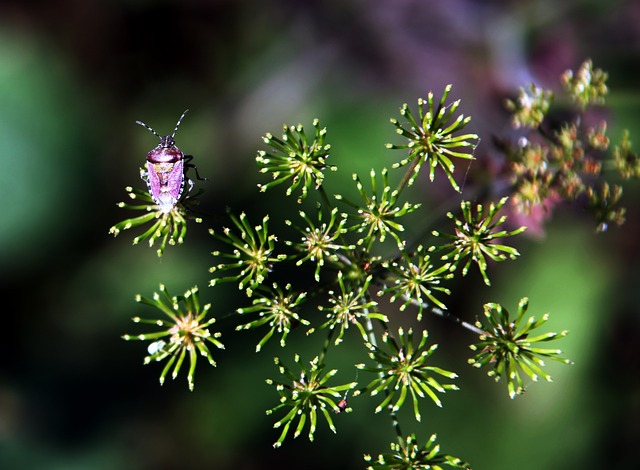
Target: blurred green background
x,y
74,78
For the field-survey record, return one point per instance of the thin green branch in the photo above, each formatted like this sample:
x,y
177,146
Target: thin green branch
x,y
371,335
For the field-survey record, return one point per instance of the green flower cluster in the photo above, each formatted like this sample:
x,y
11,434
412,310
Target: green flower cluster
x,y
508,347
251,257
406,454
186,332
476,238
403,369
433,137
277,309
306,394
295,159
415,278
167,227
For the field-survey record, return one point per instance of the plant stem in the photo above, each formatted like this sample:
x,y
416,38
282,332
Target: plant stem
x,y
445,314
325,347
372,339
439,312
325,198
409,173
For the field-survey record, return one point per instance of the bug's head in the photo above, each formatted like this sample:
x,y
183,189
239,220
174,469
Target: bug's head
x,y
167,141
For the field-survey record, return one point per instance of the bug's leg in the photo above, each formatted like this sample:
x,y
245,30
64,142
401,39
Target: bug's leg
x,y
144,175
187,159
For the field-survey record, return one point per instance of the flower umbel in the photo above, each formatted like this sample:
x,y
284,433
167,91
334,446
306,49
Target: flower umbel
x,y
321,243
587,86
626,161
168,227
571,161
531,106
402,369
532,177
305,394
432,137
415,282
406,454
604,204
509,349
185,333
251,255
379,214
295,158
475,238
276,309
349,307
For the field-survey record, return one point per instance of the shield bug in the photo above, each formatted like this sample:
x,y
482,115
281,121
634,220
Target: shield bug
x,y
166,169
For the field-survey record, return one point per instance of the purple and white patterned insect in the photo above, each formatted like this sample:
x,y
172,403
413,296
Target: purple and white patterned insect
x,y
166,168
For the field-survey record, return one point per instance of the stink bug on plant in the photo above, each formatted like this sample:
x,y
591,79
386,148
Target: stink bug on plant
x,y
166,169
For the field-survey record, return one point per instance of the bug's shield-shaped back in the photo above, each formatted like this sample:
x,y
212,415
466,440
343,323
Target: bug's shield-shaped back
x,y
165,182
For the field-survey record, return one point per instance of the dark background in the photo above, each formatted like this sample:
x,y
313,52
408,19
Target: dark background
x,y
74,78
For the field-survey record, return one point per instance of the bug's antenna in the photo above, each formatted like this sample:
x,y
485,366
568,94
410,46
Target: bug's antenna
x,y
150,128
178,124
